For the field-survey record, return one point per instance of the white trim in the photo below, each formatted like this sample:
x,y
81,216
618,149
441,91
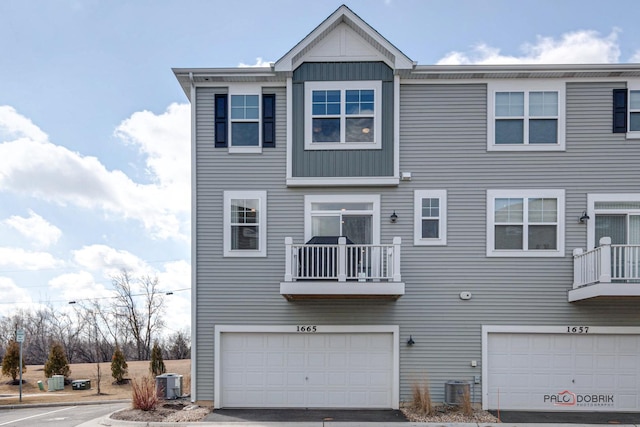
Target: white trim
x,y
261,196
525,194
343,86
342,182
592,198
327,288
244,89
324,329
560,330
418,195
347,198
194,245
526,86
289,119
396,126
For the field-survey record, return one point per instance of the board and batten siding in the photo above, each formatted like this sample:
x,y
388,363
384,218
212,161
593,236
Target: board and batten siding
x,y
443,144
342,163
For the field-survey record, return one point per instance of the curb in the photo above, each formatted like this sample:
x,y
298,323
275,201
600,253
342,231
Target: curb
x,y
54,404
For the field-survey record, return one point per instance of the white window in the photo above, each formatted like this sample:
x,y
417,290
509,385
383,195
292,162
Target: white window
x,y
634,111
430,217
244,119
527,115
525,223
245,223
343,115
356,217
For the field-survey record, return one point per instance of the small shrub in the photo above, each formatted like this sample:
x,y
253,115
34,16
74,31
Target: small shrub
x,y
421,398
11,361
156,366
57,362
144,395
465,405
119,367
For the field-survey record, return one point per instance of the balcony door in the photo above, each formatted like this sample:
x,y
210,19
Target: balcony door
x,y
355,217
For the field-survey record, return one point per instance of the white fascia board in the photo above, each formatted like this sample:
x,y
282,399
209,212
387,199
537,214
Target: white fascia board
x,y
194,242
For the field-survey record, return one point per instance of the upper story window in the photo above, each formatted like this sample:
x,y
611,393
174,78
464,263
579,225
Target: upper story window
x,y
626,110
528,115
430,217
245,223
245,119
613,215
343,115
525,223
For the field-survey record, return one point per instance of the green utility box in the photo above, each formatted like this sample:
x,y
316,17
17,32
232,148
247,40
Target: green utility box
x,y
81,384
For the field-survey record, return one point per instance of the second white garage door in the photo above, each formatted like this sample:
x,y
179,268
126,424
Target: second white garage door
x,y
306,370
591,369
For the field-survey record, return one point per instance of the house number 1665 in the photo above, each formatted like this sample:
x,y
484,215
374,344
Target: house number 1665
x,y
307,329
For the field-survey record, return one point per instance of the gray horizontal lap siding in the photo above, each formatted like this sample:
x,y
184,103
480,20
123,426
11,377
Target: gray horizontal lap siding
x,y
342,163
443,143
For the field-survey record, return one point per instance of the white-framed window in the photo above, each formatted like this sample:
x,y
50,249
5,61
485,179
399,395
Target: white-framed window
x,y
526,116
525,223
245,131
343,115
615,215
430,217
355,216
245,223
634,110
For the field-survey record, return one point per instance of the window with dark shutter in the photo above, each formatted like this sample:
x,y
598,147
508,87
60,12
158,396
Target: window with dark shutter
x,y
269,121
619,110
221,120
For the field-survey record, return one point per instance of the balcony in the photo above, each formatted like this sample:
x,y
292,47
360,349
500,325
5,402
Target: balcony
x,y
606,271
342,270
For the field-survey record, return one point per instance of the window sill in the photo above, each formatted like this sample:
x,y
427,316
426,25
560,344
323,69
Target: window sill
x,y
524,254
633,135
342,146
527,147
251,150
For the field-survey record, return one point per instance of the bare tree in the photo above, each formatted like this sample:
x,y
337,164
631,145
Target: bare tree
x,y
143,318
178,345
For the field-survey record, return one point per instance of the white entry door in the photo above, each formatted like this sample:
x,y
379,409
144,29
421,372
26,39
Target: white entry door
x,y
580,371
308,370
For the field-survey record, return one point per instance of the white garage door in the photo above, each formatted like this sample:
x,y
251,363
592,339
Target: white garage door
x,y
564,372
317,370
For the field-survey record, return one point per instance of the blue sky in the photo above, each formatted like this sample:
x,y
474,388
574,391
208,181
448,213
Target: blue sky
x,y
94,128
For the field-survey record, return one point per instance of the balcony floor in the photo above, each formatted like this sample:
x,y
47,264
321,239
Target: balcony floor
x,y
605,290
329,289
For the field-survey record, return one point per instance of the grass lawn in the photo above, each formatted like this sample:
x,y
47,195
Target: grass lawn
x,y
9,394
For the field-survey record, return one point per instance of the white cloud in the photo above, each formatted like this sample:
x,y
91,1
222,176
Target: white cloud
x,y
635,58
259,63
32,166
20,259
109,261
579,47
35,228
79,286
12,296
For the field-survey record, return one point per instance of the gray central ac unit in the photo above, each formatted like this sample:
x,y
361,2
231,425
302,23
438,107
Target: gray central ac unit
x,y
169,386
454,392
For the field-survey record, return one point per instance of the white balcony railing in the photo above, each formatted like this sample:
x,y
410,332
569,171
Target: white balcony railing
x,y
606,264
342,262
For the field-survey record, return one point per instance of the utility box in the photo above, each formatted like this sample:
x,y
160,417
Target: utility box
x,y
454,392
169,386
55,383
81,384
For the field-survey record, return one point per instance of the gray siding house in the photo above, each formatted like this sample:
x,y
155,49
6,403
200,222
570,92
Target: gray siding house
x,y
362,224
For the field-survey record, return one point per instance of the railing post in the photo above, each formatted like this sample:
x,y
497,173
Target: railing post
x,y
288,242
578,267
396,259
605,260
342,259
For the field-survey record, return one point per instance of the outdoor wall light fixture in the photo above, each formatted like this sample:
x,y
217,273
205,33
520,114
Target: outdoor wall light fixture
x,y
393,218
410,342
583,219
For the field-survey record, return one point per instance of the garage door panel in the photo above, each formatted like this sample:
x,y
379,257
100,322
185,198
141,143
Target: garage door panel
x,y
553,371
306,370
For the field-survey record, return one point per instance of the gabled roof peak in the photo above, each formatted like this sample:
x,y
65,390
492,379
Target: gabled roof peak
x,y
344,36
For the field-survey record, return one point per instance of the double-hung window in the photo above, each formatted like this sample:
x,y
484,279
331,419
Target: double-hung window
x,y
245,223
430,217
244,119
343,115
526,116
626,110
525,223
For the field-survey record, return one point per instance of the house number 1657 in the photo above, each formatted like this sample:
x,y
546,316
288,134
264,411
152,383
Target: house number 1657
x,y
307,329
578,329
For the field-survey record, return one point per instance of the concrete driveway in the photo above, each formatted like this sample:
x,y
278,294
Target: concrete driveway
x,y
305,415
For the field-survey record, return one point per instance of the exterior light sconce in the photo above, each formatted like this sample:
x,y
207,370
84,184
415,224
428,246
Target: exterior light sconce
x,y
410,342
393,218
584,218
